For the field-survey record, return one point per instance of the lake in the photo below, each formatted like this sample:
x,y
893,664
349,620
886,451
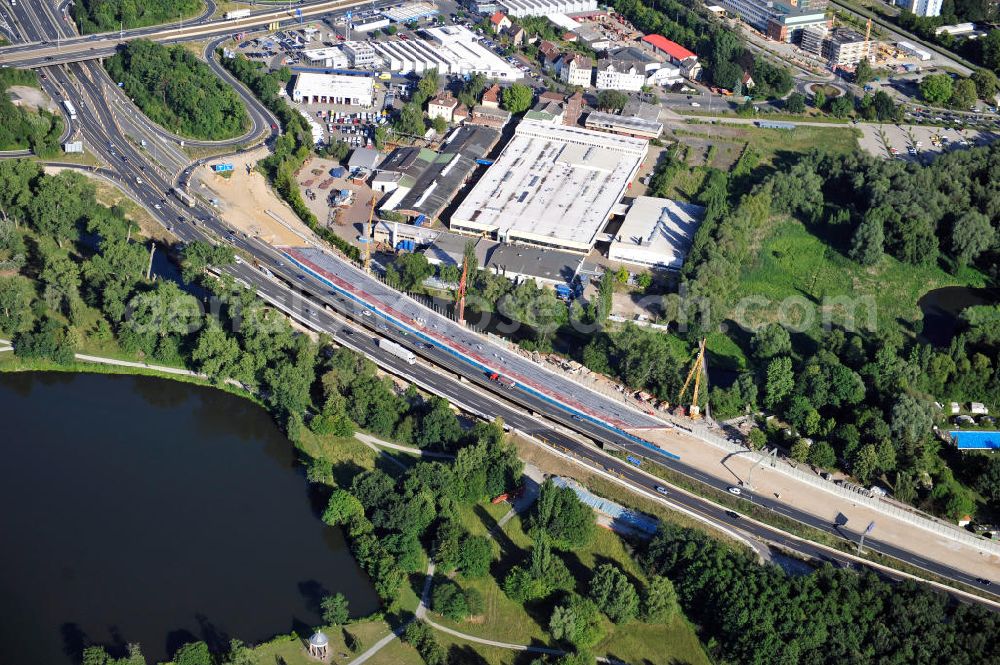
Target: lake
x,y
146,510
942,309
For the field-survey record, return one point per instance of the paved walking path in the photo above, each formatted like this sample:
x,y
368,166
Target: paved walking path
x,y
370,441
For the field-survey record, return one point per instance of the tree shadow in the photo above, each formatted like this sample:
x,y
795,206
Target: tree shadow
x,y
216,638
314,593
465,655
74,640
344,472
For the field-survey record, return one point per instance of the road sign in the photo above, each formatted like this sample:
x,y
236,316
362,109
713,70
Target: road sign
x,y
222,168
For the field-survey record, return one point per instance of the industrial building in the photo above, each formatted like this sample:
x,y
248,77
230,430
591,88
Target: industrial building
x,y
656,233
547,267
624,125
327,57
777,20
311,88
423,182
553,186
519,8
909,48
450,49
678,55
411,12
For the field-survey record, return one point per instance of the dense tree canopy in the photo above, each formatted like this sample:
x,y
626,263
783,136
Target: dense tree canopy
x,y
105,15
760,614
178,91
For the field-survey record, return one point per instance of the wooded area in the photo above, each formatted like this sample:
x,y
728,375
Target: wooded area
x,y
722,52
22,128
106,15
178,91
760,614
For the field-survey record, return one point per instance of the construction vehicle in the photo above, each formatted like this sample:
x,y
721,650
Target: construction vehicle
x,y
698,368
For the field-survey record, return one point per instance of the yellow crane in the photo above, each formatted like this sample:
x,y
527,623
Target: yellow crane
x,y
697,369
369,237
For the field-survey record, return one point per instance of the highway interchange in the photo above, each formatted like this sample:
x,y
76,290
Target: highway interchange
x,y
329,307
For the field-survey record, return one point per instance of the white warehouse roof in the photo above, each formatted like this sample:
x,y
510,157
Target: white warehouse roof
x,y
334,89
450,50
552,186
547,7
656,233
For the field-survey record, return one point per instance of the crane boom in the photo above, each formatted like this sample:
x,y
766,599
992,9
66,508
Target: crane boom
x,y
369,233
697,368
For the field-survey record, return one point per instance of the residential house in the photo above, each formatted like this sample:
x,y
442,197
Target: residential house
x,y
549,54
461,113
516,35
576,69
621,75
442,106
500,22
491,98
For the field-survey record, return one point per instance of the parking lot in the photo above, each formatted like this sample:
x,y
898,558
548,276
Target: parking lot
x,y
913,142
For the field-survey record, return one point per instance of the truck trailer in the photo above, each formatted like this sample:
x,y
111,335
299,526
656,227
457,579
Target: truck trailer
x,y
237,13
397,350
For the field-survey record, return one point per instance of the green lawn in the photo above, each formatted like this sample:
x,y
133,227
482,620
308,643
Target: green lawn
x,y
507,621
794,262
292,651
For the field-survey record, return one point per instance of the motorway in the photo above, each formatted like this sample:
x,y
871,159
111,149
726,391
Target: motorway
x,y
40,51
444,345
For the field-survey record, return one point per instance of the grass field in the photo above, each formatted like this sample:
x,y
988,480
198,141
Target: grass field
x,y
794,262
505,620
292,650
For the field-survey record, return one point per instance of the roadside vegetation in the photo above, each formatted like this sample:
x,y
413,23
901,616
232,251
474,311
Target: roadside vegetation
x,y
107,15
178,91
22,128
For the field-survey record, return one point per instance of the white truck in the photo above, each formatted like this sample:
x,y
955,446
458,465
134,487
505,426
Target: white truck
x,y
397,350
236,13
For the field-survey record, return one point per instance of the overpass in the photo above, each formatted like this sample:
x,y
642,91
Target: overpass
x,y
91,47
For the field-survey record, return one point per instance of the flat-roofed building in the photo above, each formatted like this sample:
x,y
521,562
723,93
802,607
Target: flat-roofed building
x,y
656,233
312,88
552,186
451,49
411,12
845,48
519,8
624,125
362,55
780,21
327,57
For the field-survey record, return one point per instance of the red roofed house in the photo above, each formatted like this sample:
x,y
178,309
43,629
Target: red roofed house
x,y
491,98
685,59
499,21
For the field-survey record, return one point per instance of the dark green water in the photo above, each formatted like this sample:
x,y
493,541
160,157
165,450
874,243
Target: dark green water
x,y
145,510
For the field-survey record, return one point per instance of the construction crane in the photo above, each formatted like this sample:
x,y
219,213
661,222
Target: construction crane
x,y
369,237
697,369
461,290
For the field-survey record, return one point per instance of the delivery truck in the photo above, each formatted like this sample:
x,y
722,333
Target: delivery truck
x,y
397,350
